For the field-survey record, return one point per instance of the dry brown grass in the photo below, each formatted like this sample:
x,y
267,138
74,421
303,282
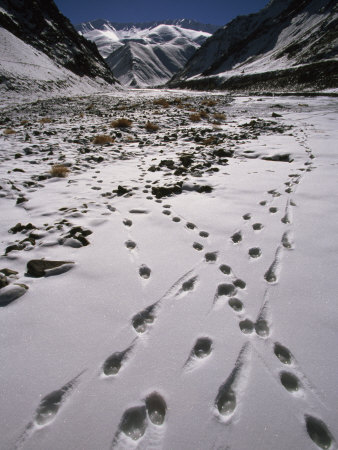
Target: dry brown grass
x,y
59,170
23,122
195,117
220,116
209,141
45,120
208,102
121,123
90,106
161,102
204,114
101,139
151,127
8,131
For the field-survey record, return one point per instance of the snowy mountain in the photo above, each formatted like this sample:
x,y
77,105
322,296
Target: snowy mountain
x,y
40,50
289,42
146,54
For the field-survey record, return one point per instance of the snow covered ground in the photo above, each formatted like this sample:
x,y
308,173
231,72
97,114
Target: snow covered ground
x,y
206,319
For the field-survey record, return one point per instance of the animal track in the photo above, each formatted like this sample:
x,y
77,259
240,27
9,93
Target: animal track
x,y
237,237
262,328
144,272
273,210
225,269
113,364
318,432
247,216
226,289
289,381
283,354
211,257
204,234
271,275
127,222
255,252
226,400
142,319
239,283
134,422
190,225
156,408
202,348
197,246
176,219
235,304
246,326
286,240
130,244
189,285
50,405
257,226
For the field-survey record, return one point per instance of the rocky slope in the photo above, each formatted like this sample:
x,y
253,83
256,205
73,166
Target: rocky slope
x,y
36,36
146,54
288,44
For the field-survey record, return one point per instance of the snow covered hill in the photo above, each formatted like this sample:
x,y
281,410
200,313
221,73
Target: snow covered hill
x,y
287,42
40,51
146,54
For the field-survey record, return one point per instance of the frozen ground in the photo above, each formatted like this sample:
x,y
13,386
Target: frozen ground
x,y
206,319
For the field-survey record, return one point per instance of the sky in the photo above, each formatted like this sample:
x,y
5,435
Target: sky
x,y
217,12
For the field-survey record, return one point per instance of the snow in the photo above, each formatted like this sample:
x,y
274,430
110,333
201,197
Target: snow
x,y
141,57
29,71
57,337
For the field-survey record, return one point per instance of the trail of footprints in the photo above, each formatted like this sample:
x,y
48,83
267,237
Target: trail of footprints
x,y
153,409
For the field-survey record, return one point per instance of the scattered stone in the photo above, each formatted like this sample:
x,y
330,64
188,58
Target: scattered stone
x,y
42,267
12,292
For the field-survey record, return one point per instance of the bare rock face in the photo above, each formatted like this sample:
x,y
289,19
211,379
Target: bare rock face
x,y
40,24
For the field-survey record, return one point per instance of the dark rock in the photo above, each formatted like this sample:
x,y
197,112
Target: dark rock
x,y
39,267
3,281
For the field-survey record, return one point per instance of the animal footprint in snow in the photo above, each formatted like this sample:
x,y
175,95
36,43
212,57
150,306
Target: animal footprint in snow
x,y
255,252
130,244
188,285
246,326
144,272
156,408
236,304
226,400
142,319
237,237
224,268
225,289
204,234
49,406
202,348
197,246
247,216
283,354
113,364
318,432
257,226
290,382
190,225
273,210
134,422
127,222
239,283
287,240
262,328
211,256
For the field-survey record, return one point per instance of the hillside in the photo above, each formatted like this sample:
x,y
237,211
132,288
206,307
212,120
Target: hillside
x,y
288,44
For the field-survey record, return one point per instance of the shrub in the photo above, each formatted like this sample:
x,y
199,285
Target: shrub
x,y
149,126
45,120
101,139
161,102
9,131
59,170
208,102
204,114
220,116
121,123
195,117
